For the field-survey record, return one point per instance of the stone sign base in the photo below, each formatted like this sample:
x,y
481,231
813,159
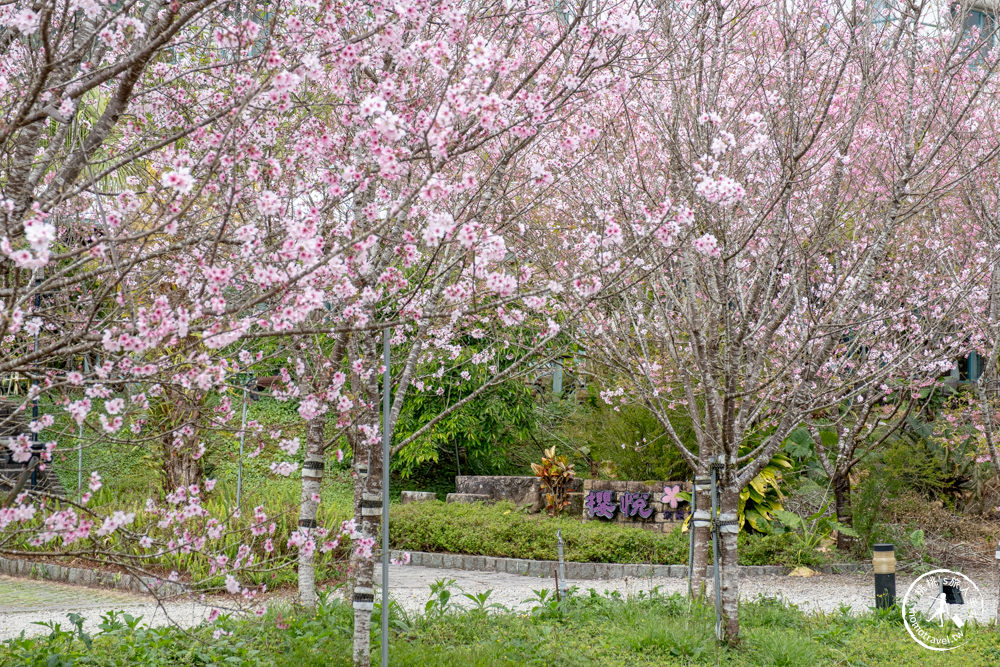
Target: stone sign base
x,y
652,505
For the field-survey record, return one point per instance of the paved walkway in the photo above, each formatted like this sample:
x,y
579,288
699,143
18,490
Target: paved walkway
x,y
29,595
25,601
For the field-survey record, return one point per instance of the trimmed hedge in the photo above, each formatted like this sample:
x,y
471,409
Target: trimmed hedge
x,y
504,530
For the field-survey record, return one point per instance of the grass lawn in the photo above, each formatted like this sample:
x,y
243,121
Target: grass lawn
x,y
586,629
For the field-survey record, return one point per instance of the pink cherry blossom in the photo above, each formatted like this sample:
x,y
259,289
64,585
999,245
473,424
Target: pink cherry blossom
x,y
179,180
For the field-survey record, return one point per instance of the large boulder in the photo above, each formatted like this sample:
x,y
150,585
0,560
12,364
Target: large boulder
x,y
522,491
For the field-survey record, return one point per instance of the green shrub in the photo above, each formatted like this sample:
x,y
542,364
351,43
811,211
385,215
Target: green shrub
x,y
477,438
503,530
777,549
630,438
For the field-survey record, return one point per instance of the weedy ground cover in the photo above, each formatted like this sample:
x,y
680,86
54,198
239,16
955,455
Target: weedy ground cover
x,y
584,628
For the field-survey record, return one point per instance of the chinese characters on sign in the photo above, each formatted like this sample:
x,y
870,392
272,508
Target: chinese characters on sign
x,y
633,504
604,504
599,503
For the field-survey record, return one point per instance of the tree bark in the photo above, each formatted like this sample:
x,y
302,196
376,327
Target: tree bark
x,y
367,510
180,468
367,506
841,484
729,571
702,543
312,479
175,417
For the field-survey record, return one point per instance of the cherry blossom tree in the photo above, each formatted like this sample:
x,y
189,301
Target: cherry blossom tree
x,y
103,109
378,169
125,131
734,206
444,137
793,160
979,235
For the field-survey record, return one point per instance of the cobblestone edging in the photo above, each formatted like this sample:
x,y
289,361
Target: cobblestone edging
x,y
16,567
575,570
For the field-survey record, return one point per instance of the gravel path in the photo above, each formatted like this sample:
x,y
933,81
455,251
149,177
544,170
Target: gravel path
x,y
24,602
410,587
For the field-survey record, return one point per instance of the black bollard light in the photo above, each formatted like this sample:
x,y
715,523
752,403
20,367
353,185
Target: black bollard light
x,y
884,562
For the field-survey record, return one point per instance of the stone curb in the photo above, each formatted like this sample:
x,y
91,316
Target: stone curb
x,y
79,576
575,570
16,567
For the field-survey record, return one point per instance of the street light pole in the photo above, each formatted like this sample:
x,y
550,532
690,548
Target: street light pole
x,y
243,435
386,408
35,447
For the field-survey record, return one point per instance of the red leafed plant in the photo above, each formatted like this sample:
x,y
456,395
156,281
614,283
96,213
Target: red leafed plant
x,y
556,474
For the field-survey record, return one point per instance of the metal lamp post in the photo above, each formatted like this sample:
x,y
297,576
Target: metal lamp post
x,y
243,435
36,449
386,408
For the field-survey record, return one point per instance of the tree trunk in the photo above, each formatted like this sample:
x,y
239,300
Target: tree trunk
x,y
362,575
841,484
312,478
176,417
367,512
363,579
702,542
367,505
180,468
729,570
